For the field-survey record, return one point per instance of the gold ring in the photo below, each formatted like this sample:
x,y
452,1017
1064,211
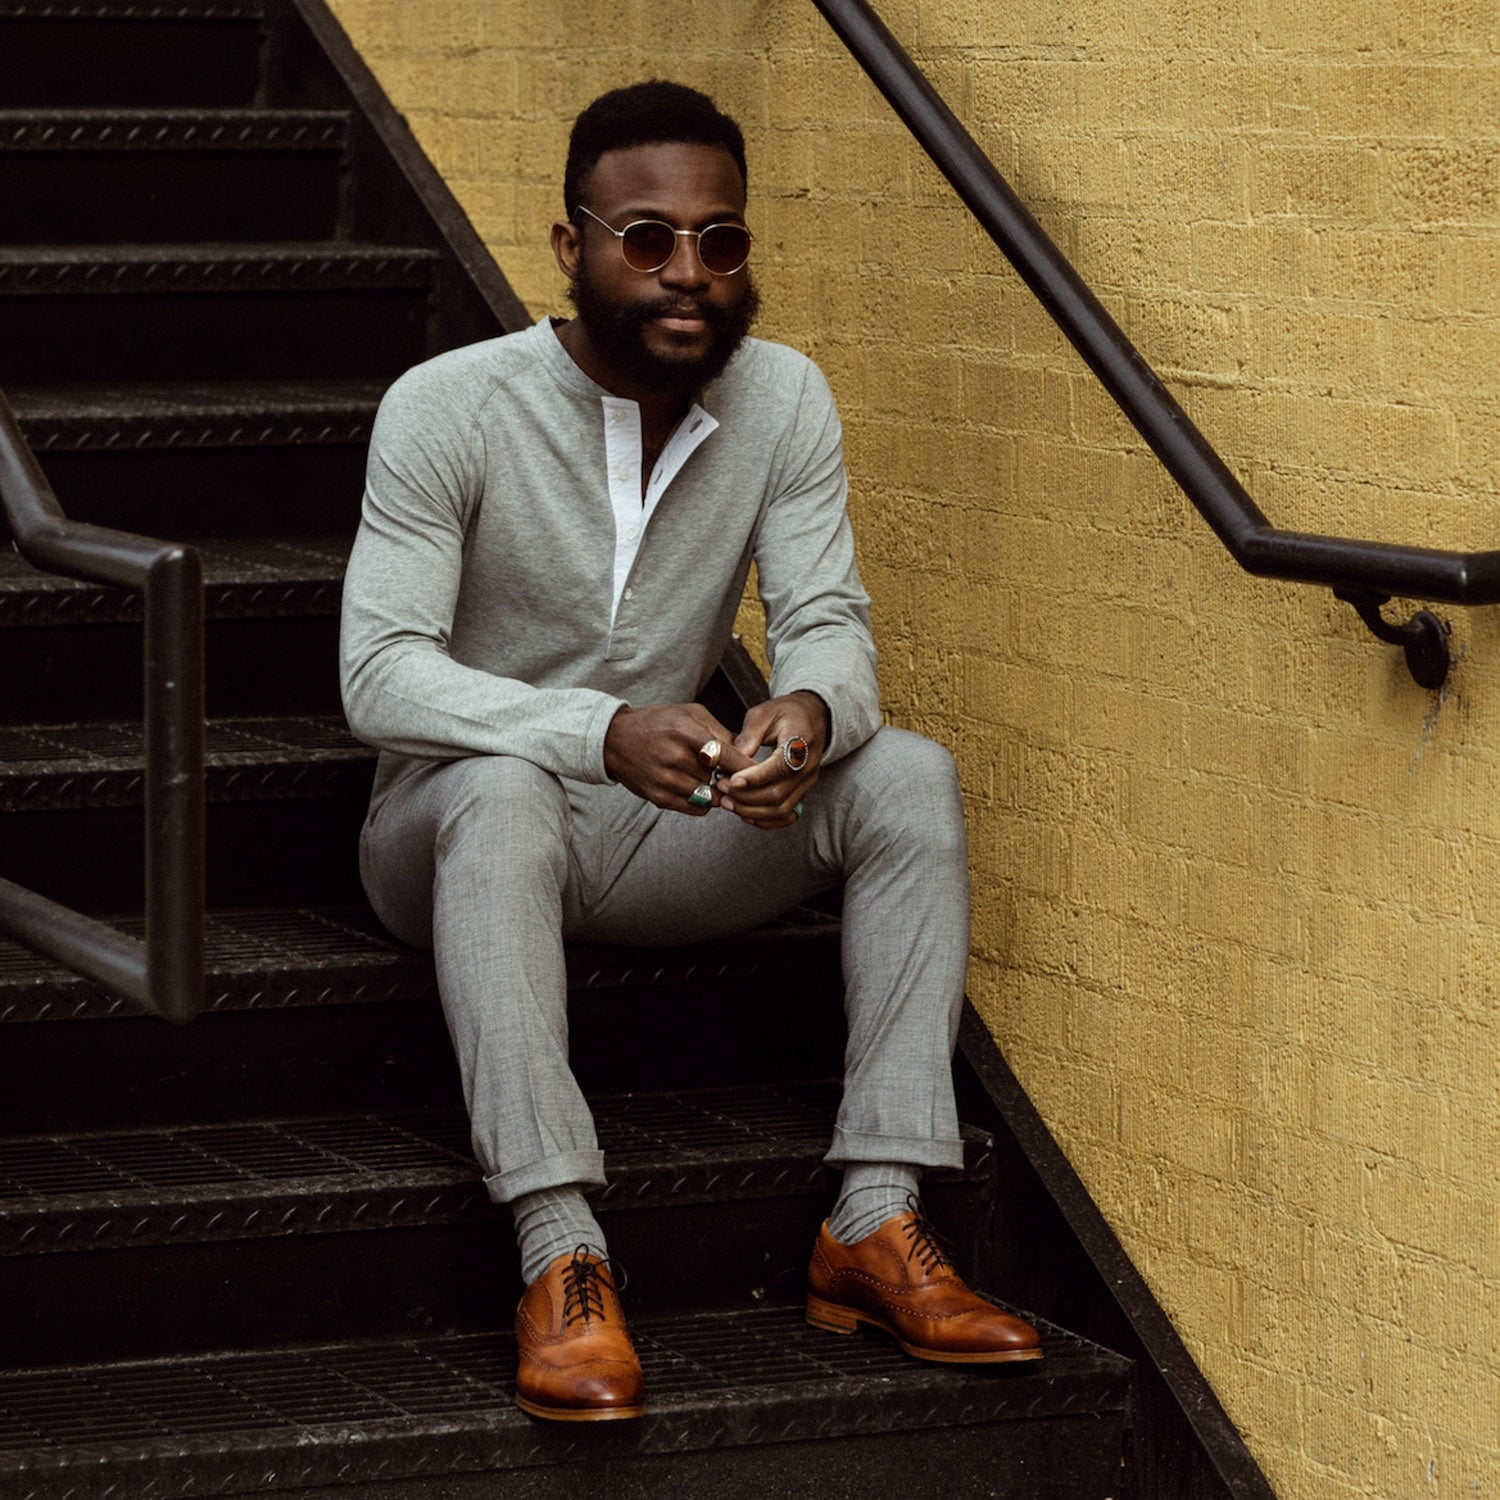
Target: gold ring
x,y
709,753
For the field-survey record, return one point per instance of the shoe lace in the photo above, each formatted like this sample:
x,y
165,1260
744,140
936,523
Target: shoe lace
x,y
584,1280
927,1246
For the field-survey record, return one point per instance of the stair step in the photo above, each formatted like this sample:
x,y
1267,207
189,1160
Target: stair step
x,y
131,10
128,52
315,1010
248,578
275,959
300,490
759,1386
154,176
156,313
734,1172
230,414
101,1190
235,269
258,959
46,766
155,130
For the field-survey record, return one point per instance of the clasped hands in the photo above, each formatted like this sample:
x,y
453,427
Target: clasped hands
x,y
654,752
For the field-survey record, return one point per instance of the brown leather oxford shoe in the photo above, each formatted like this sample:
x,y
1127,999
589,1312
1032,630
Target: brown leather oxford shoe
x,y
899,1280
575,1361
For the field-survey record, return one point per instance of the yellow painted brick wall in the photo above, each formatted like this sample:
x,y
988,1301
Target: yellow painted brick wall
x,y
1238,914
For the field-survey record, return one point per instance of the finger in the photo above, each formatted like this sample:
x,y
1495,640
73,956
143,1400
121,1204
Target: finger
x,y
735,759
769,822
756,775
768,795
771,773
757,730
698,801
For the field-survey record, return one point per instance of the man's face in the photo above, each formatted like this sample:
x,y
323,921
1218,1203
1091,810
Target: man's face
x,y
678,326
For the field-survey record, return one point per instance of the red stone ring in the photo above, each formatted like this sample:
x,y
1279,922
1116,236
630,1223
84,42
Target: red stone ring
x,y
709,753
795,753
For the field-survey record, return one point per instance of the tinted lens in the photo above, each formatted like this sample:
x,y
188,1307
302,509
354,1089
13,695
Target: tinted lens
x,y
724,248
648,245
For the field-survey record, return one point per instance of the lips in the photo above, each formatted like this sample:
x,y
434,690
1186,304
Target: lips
x,y
683,319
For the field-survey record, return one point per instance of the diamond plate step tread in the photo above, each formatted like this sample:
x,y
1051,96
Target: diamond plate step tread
x,y
196,1184
232,414
280,958
98,270
251,578
246,759
131,10
173,129
360,1412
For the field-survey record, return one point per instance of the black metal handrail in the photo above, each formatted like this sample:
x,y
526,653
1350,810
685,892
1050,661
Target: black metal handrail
x,y
164,972
1365,574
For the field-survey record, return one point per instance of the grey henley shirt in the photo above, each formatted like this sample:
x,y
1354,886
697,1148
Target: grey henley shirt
x,y
477,604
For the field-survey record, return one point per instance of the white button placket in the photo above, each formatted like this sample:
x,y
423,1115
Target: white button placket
x,y
624,455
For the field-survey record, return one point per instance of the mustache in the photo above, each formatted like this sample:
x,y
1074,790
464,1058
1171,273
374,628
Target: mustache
x,y
675,307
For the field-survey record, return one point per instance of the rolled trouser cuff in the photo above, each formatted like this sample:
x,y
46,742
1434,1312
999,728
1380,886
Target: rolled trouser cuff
x,y
564,1169
917,1151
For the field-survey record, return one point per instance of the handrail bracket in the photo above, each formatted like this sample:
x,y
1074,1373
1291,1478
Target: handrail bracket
x,y
1423,639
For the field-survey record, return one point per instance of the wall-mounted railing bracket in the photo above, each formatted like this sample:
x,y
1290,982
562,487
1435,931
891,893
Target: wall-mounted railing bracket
x,y
1424,637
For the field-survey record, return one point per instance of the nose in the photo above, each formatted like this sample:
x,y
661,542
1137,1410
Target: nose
x,y
684,269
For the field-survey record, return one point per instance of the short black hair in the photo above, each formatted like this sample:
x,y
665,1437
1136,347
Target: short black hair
x,y
644,114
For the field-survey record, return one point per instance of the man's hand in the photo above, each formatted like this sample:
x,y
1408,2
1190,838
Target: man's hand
x,y
654,752
766,793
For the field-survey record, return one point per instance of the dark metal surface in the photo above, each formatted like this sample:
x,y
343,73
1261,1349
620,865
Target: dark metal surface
x,y
103,1190
348,1414
1258,547
256,960
106,765
1423,639
198,415
172,130
130,10
281,958
243,578
482,300
99,270
163,973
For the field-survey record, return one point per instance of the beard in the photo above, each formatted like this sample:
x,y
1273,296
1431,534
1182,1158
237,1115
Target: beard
x,y
617,330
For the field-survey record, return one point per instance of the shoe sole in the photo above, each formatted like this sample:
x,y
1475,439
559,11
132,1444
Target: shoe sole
x,y
579,1414
831,1317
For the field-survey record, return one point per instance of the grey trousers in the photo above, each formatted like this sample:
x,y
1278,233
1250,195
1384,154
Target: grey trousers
x,y
493,862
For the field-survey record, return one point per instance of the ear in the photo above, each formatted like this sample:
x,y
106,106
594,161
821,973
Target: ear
x,y
566,244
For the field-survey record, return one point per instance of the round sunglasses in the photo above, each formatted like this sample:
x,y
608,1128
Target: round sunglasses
x,y
648,244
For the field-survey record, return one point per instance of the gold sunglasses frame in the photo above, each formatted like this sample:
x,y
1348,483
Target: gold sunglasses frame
x,y
696,235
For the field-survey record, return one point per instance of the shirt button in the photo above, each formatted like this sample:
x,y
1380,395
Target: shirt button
x,y
633,533
630,593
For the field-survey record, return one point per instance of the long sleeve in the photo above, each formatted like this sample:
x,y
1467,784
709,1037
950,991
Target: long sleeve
x,y
480,608
817,611
404,690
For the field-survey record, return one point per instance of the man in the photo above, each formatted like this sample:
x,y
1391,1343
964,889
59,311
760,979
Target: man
x,y
557,529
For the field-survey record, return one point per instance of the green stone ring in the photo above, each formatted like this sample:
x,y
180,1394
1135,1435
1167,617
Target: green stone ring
x,y
702,796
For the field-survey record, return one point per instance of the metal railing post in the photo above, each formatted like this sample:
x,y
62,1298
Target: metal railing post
x,y
163,973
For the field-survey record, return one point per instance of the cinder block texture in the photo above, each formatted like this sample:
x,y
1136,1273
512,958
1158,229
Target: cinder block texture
x,y
1237,878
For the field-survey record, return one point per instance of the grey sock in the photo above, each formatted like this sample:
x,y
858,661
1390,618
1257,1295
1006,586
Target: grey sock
x,y
873,1192
553,1222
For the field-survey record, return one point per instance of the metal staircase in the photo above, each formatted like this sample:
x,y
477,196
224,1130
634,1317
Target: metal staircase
x,y
252,1255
